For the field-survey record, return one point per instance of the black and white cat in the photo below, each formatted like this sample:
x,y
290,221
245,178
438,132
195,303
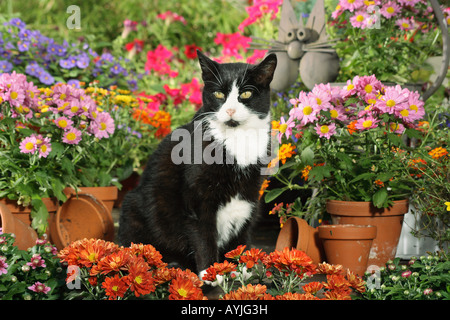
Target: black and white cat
x,y
194,209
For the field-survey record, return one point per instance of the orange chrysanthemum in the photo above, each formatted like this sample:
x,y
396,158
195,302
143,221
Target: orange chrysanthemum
x,y
291,260
183,288
263,188
312,287
139,278
218,269
111,263
152,256
250,292
236,253
356,281
326,268
352,127
338,283
86,252
296,296
115,287
251,257
286,151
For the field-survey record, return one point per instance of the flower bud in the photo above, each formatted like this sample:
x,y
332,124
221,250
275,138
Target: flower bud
x,y
25,268
406,274
427,291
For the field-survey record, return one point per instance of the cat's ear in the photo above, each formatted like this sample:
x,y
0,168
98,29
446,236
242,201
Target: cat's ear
x,y
208,66
263,72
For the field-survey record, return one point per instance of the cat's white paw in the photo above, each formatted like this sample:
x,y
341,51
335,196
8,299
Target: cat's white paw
x,y
245,274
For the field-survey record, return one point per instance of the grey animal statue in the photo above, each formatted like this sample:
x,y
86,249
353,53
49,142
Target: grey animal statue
x,y
302,50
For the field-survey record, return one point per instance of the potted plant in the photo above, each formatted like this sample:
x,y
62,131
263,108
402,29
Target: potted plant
x,y
349,148
391,39
45,134
424,278
34,274
427,168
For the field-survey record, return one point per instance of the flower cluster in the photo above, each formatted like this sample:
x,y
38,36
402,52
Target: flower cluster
x,y
424,278
48,62
46,134
108,271
258,9
34,274
280,275
410,34
351,140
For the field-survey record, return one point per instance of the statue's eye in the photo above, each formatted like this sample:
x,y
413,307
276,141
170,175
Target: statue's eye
x,y
245,95
219,95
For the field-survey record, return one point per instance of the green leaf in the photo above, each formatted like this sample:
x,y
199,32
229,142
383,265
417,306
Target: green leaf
x,y
307,156
273,194
365,175
320,172
395,139
379,198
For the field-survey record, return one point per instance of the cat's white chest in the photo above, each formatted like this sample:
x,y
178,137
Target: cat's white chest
x,y
231,217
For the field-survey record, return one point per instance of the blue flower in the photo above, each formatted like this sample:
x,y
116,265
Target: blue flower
x,y
66,63
17,23
82,61
23,46
56,49
5,66
46,78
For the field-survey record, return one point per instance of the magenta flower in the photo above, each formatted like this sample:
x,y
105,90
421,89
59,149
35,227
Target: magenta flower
x,y
359,20
307,110
351,5
427,291
285,128
405,24
64,123
3,266
39,288
28,145
366,123
325,130
406,274
44,148
390,9
103,126
36,261
72,136
368,85
394,99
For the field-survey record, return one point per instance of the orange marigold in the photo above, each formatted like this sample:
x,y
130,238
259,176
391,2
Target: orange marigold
x,y
115,287
352,127
286,151
437,153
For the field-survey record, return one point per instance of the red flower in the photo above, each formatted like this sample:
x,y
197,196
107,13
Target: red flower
x,y
236,253
251,257
140,278
136,44
190,51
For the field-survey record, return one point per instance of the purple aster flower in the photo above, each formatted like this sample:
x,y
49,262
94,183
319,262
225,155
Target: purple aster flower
x,y
5,66
25,34
82,61
46,78
56,49
74,83
107,57
116,69
23,46
17,23
33,69
66,63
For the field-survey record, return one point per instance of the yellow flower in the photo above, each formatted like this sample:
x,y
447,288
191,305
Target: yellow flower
x,y
437,153
448,205
285,151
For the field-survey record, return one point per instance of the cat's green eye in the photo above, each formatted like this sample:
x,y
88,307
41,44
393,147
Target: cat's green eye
x,y
219,95
246,94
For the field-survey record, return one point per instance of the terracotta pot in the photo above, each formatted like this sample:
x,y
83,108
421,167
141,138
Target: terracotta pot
x,y
297,233
25,235
387,220
348,245
23,213
82,216
108,195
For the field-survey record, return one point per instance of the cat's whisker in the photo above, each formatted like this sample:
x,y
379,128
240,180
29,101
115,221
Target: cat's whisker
x,y
321,44
326,50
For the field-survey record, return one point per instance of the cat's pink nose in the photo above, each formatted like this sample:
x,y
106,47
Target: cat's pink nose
x,y
230,112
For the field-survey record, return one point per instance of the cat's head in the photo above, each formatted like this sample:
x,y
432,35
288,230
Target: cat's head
x,y
237,94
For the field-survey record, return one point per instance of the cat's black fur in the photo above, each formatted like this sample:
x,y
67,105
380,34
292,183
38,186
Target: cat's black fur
x,y
174,207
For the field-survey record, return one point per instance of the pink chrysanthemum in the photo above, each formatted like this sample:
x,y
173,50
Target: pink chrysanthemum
x,y
367,85
72,136
366,123
64,123
306,110
394,99
3,266
351,5
285,128
405,24
39,288
359,20
28,145
45,148
36,261
390,9
325,130
103,126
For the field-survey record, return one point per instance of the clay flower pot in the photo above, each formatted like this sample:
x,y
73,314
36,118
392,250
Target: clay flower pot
x,y
81,216
387,220
348,245
297,233
108,195
24,213
25,235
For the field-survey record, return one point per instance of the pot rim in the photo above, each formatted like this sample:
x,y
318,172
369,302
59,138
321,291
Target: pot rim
x,y
347,232
365,208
